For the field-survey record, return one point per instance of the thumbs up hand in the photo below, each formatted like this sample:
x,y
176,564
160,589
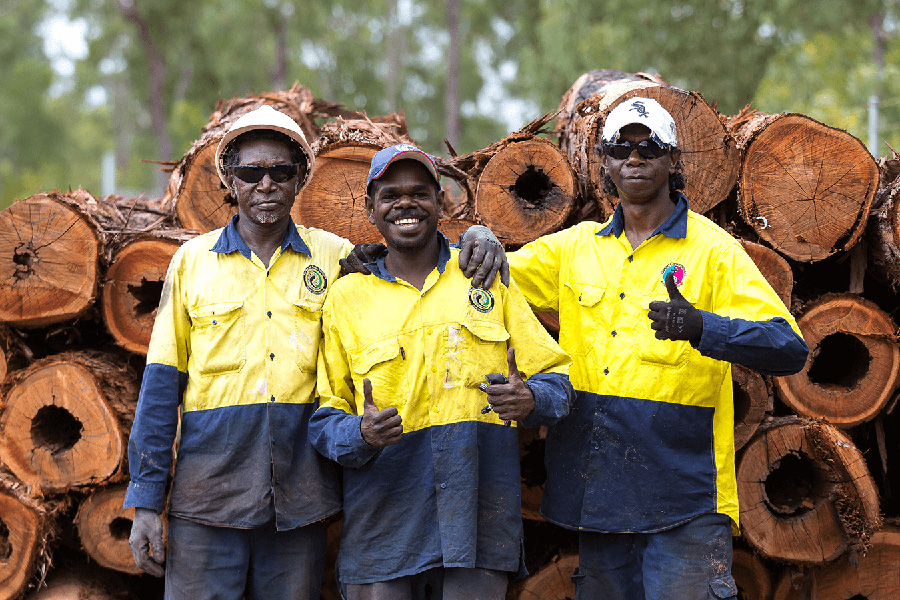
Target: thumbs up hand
x,y
676,319
379,428
513,400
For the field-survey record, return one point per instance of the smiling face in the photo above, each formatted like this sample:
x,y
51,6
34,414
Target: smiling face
x,y
405,206
640,180
265,203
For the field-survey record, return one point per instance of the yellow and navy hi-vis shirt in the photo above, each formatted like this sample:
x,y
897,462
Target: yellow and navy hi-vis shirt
x,y
649,442
448,493
236,344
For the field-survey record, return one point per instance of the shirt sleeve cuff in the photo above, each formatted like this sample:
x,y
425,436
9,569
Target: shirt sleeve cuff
x,y
553,395
715,334
145,495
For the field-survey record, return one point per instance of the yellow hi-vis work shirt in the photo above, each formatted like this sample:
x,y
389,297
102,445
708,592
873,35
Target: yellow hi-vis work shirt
x,y
649,442
236,344
448,493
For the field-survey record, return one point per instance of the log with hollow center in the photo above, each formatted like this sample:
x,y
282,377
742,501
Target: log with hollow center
x,y
65,419
853,366
104,526
23,528
805,492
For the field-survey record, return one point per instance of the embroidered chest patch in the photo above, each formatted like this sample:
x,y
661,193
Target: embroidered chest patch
x,y
314,279
482,300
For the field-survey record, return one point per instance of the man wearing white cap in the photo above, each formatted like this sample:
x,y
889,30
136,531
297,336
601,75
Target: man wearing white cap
x,y
234,350
654,305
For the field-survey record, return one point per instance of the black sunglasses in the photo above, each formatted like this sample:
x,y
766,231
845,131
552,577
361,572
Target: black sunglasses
x,y
255,173
646,149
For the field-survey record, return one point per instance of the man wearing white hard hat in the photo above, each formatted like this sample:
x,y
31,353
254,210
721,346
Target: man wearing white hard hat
x,y
234,350
654,305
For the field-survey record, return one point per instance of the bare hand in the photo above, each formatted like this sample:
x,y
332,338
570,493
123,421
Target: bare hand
x,y
146,542
512,401
481,255
379,428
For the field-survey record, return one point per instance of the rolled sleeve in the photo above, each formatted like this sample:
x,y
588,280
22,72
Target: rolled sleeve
x,y
553,396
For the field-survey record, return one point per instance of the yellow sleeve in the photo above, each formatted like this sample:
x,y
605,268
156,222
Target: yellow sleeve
x,y
535,268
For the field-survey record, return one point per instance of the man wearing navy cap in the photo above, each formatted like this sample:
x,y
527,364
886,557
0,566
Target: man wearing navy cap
x,y
431,488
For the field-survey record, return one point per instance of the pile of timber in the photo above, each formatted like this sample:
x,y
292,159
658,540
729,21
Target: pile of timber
x,y
816,452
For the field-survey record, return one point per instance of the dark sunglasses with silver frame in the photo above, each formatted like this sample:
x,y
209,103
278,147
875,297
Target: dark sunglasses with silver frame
x,y
647,149
279,173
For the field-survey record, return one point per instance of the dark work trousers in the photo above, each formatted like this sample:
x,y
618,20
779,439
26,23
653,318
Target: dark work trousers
x,y
689,562
440,583
224,563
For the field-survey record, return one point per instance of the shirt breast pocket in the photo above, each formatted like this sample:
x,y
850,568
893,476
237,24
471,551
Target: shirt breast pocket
x,y
218,343
306,335
382,364
476,349
585,320
667,353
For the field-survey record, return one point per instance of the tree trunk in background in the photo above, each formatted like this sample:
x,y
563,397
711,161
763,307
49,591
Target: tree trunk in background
x,y
753,401
774,268
396,55
24,526
553,581
806,493
853,365
278,71
452,98
156,66
65,421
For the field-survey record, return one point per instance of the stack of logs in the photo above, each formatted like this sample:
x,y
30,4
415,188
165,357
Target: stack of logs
x,y
814,210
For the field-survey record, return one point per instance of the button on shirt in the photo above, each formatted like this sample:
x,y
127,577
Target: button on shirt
x,y
447,494
653,423
234,346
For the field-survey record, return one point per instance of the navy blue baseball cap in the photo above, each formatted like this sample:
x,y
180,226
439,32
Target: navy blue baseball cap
x,y
385,158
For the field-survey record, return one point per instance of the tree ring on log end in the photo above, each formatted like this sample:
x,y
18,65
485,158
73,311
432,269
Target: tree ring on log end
x,y
750,575
132,291
805,492
48,262
810,184
853,367
335,197
23,530
104,527
526,189
59,430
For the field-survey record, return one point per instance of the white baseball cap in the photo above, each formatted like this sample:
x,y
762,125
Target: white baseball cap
x,y
265,117
643,111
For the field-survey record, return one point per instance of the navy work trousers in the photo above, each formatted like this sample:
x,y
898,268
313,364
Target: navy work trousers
x,y
225,563
440,583
691,561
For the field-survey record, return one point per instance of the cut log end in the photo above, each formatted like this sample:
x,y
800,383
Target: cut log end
x,y
48,262
104,527
22,530
752,401
853,366
203,203
526,190
751,576
553,581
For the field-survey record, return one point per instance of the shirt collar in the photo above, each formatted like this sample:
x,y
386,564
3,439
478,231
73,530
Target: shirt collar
x,y
378,268
231,241
674,227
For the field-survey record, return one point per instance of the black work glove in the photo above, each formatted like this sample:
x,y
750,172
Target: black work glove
x,y
676,319
146,542
481,255
359,256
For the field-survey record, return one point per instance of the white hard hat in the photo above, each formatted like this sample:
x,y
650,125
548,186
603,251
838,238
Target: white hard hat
x,y
643,111
265,117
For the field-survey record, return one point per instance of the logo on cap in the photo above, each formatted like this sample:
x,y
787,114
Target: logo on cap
x,y
314,279
639,107
480,299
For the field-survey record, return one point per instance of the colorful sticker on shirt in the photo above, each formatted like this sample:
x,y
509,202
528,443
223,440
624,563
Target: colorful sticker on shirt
x,y
314,279
482,300
678,272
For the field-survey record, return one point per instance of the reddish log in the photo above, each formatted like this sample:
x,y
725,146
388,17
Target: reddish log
x,y
853,365
48,261
752,402
751,576
805,492
553,581
805,188
104,526
64,421
25,524
774,268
